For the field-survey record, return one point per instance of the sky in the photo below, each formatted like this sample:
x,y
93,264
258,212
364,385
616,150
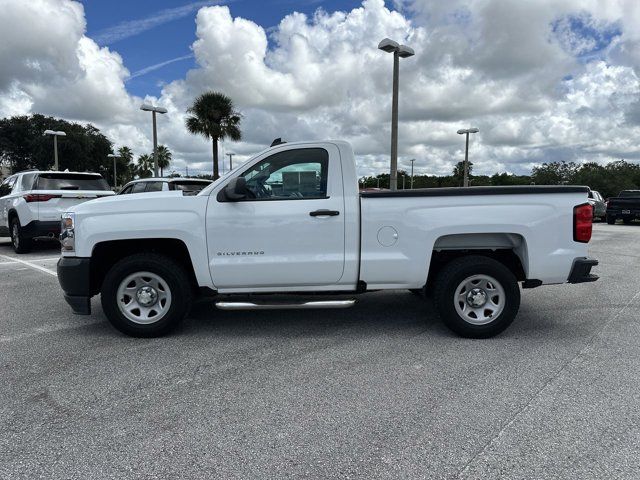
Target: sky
x,y
543,80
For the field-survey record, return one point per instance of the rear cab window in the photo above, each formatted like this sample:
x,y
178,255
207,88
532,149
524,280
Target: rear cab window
x,y
70,181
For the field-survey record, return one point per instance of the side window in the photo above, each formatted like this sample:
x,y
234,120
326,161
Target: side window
x,y
154,186
127,190
4,188
26,183
590,194
138,187
290,175
10,183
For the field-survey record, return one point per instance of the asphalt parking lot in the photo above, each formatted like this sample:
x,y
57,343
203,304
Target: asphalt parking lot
x,y
382,390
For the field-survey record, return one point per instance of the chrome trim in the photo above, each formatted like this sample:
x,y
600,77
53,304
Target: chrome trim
x,y
285,306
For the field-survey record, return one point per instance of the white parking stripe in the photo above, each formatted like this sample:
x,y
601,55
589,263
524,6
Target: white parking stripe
x,y
47,329
29,264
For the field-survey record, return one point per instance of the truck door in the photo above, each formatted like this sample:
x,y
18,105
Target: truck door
x,y
289,231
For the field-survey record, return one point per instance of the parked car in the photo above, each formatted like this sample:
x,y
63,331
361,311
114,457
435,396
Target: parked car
x,y
188,186
625,206
598,204
292,221
31,203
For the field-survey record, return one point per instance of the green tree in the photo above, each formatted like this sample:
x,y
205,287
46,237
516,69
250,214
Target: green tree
x,y
213,116
23,145
128,168
164,158
554,173
144,167
458,172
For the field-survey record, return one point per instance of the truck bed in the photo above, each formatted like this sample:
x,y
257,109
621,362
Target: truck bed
x,y
457,191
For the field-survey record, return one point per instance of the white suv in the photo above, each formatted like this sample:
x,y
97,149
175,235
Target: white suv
x,y
31,203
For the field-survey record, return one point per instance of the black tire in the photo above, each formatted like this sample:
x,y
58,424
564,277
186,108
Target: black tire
x,y
19,242
611,220
454,274
172,273
627,220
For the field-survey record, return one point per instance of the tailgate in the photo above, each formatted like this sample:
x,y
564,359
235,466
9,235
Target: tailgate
x,y
61,200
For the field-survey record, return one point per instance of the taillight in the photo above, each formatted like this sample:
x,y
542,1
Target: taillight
x,y
582,222
39,197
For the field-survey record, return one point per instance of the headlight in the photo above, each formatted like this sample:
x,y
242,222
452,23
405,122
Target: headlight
x,y
67,232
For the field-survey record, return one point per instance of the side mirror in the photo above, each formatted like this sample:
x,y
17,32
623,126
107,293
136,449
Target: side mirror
x,y
236,189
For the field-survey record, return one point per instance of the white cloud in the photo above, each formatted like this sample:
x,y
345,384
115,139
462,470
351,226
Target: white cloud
x,y
516,70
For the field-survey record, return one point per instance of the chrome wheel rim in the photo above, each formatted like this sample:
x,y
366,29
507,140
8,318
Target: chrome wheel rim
x,y
15,237
479,299
144,298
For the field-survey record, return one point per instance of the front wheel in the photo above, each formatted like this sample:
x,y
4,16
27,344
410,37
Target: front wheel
x,y
146,295
476,296
627,220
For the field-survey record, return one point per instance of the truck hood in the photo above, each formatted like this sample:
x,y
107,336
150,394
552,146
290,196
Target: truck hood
x,y
135,202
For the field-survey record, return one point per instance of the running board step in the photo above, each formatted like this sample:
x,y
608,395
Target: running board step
x,y
285,306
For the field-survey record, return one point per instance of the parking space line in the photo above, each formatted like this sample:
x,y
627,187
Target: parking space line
x,y
44,329
29,264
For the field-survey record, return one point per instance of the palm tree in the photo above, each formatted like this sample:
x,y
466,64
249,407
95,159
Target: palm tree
x,y
164,158
126,160
213,116
144,168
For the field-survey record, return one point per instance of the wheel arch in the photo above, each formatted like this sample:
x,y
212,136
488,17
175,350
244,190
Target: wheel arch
x,y
510,249
106,254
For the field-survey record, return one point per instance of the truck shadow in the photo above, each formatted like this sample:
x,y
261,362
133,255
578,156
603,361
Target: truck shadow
x,y
382,313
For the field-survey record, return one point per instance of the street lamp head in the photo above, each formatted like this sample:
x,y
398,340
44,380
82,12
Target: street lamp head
x,y
404,51
463,131
113,155
388,45
150,108
53,132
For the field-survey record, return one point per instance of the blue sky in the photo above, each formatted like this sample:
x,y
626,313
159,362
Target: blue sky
x,y
163,31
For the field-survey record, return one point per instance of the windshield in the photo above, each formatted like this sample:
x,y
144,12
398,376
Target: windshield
x,y
70,181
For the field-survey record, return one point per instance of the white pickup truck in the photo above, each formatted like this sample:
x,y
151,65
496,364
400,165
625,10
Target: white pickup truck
x,y
292,220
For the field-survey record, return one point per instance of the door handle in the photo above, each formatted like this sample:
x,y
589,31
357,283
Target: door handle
x,y
324,213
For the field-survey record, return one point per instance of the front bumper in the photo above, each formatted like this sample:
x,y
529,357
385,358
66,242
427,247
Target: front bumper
x,y
74,275
581,270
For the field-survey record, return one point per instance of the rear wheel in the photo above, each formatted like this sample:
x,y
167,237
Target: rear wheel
x,y
146,295
627,220
20,243
611,220
476,296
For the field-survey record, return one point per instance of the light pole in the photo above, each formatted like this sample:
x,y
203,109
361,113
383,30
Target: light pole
x,y
399,51
115,177
412,160
55,134
230,160
150,108
466,131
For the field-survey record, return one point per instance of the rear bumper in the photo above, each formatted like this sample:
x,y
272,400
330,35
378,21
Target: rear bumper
x,y
37,228
74,276
581,270
618,212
